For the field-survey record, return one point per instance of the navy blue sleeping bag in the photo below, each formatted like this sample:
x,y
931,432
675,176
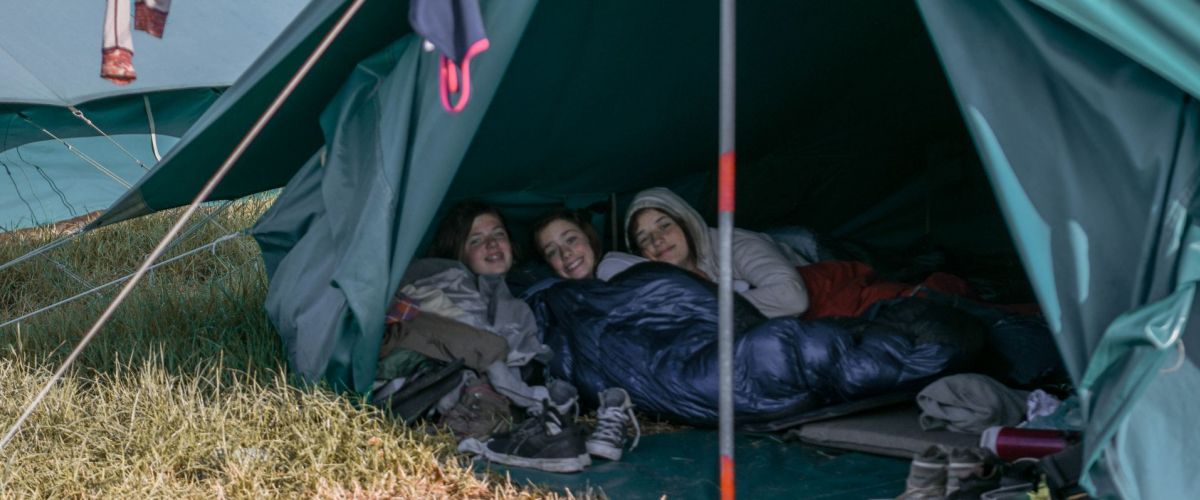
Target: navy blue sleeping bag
x,y
653,331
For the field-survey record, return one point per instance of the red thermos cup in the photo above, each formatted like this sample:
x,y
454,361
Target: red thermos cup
x,y
1011,443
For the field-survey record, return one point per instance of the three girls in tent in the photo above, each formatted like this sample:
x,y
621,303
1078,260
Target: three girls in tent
x,y
662,227
466,312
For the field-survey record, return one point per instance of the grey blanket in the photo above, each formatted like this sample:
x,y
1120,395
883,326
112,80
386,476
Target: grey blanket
x,y
969,403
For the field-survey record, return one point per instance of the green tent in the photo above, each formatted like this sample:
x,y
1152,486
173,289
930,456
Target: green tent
x,y
72,142
860,119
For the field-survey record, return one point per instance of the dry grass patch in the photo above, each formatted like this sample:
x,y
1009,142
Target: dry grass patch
x,y
184,394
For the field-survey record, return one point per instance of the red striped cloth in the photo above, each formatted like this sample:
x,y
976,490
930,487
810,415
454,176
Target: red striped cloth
x,y
403,308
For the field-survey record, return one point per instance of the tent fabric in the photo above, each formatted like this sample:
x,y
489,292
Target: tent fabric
x,y
293,136
584,111
50,59
1162,35
42,182
334,265
1103,233
651,330
50,56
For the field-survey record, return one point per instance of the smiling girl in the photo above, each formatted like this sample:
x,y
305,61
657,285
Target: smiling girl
x,y
662,227
568,243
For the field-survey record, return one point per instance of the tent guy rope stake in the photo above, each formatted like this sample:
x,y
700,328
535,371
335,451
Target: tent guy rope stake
x,y
725,198
191,209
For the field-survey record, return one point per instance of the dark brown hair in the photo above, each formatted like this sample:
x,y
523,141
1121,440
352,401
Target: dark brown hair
x,y
631,232
572,216
452,232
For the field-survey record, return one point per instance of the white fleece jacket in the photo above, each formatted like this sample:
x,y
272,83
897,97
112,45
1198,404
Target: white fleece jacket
x,y
776,289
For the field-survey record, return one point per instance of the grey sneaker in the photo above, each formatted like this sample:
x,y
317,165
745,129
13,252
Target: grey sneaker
x,y
970,472
547,441
926,475
563,397
612,425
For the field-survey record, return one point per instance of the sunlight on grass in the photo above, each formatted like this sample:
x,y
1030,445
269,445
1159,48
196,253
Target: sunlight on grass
x,y
185,393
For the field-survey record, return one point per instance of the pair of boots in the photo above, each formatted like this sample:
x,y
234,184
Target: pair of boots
x,y
939,472
553,441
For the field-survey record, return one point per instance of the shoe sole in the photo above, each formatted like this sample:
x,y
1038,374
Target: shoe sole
x,y
570,464
604,450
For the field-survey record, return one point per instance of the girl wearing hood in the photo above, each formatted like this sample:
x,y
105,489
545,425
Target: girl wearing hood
x,y
662,227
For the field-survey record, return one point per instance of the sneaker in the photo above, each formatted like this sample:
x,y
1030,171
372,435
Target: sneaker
x,y
563,397
547,441
479,412
926,475
612,425
970,472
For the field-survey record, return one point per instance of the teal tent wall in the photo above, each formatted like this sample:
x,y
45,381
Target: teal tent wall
x,y
50,59
1096,160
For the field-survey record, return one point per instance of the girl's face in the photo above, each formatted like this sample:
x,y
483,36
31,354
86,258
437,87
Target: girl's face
x,y
660,239
567,250
487,250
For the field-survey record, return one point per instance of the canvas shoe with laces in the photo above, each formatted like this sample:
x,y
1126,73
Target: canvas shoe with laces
x,y
926,475
546,441
970,472
612,425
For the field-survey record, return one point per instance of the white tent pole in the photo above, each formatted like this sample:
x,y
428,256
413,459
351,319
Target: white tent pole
x,y
191,209
153,133
725,199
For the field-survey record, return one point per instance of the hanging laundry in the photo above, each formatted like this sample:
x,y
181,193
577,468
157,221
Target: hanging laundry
x,y
455,28
116,64
151,16
116,61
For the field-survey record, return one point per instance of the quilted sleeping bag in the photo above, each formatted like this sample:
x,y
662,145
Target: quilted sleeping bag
x,y
653,331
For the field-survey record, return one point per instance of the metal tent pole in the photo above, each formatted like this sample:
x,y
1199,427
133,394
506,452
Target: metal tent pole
x,y
725,198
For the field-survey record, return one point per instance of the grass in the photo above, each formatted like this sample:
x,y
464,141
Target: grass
x,y
185,393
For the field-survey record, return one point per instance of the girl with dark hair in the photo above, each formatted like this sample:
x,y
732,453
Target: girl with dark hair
x,y
474,234
466,310
568,243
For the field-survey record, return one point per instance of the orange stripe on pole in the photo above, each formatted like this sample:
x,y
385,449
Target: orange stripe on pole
x,y
726,477
726,167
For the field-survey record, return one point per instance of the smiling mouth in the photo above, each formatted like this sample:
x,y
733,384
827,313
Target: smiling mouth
x,y
574,265
493,258
665,251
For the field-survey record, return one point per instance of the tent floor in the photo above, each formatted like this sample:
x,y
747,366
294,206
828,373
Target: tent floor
x,y
684,465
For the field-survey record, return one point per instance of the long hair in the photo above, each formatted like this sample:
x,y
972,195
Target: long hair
x,y
450,240
572,216
631,232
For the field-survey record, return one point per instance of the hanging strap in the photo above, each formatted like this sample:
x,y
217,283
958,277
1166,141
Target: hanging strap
x,y
453,80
